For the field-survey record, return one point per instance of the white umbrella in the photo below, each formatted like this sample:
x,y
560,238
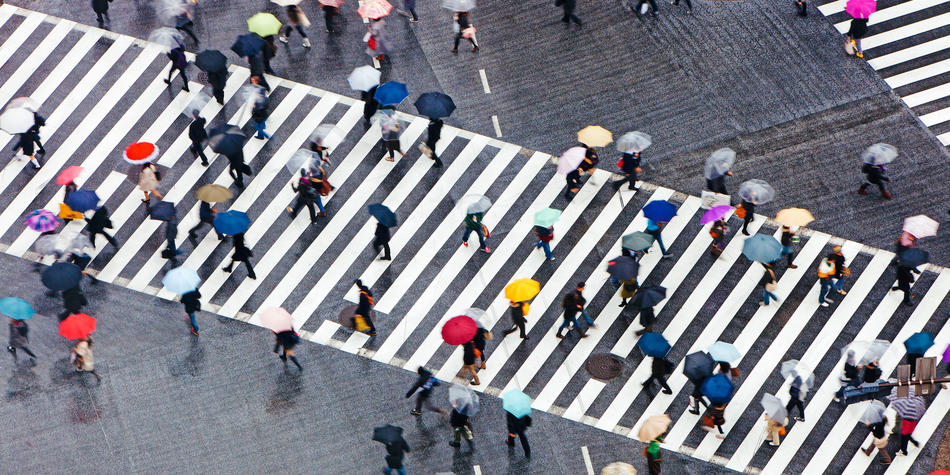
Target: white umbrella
x,y
474,204
301,159
921,226
796,369
634,142
879,154
23,103
463,399
61,243
480,316
364,78
285,3
873,413
459,5
774,408
198,101
170,38
756,191
17,120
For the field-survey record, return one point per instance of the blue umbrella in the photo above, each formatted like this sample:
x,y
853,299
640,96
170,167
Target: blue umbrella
x,y
391,93
435,105
762,248
724,352
82,200
654,344
181,280
61,276
162,211
919,343
16,308
660,211
231,222
516,402
383,214
912,257
248,44
718,389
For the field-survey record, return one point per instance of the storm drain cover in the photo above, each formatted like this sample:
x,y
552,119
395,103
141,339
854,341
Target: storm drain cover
x,y
604,366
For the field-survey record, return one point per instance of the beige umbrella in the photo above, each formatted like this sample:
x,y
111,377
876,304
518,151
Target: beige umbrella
x,y
595,136
212,193
794,217
619,468
654,427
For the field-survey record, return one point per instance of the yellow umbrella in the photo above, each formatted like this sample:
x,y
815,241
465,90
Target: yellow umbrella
x,y
794,217
212,193
619,468
595,136
263,24
522,290
654,427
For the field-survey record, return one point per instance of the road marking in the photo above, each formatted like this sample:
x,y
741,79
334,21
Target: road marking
x,y
907,54
39,55
481,72
587,462
890,13
477,470
905,31
929,95
494,122
13,42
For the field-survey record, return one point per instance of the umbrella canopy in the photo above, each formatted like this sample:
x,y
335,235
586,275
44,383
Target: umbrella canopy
x,y
286,3
82,200
919,343
913,257
68,175
516,402
912,408
774,408
797,370
873,412
231,222
718,163
264,24
16,308
756,191
660,211
654,344
435,105
302,159
16,120
387,434
77,326
41,220
277,319
331,3
946,355
364,78
383,214
762,248
594,136
474,203
715,213
860,8
459,5
622,268
374,9
212,193
618,468
718,389
254,94
723,352
322,134
921,226
546,217
211,60
169,38
480,316
866,351
698,366
162,211
649,296
391,93
522,290
24,102
61,276
463,399
571,159
634,142
459,330
140,153
227,139
248,44
181,280
637,241
879,154
60,243
794,217
654,427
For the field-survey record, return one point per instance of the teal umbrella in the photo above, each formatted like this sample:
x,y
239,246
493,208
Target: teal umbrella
x,y
16,308
516,402
762,248
638,241
546,217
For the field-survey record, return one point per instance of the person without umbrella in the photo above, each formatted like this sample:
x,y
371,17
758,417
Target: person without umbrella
x,y
461,429
370,105
422,388
192,303
464,29
396,452
296,20
841,271
179,63
768,283
826,268
874,175
655,9
479,341
573,303
630,167
364,308
796,398
19,338
473,224
24,146
101,8
381,241
198,135
878,441
206,214
569,16
905,277
518,426
468,362
287,340
545,236
83,359
434,133
519,312
38,121
97,224
659,370
242,253
746,212
788,249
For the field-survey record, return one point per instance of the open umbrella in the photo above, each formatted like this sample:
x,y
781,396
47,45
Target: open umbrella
x,y
68,175
622,268
364,78
480,316
910,408
16,120
860,8
322,134
913,257
879,154
718,388
277,319
571,159
82,200
762,248
723,352
211,60
302,159
648,296
374,9
41,220
516,402
660,211
921,226
698,366
61,276
77,326
231,222
168,38
654,427
873,412
919,343
16,308
248,44
140,153
618,468
212,193
946,355
546,217
594,136
633,142
774,408
435,105
391,93
522,290
463,399
654,344
264,24
473,203
866,351
331,3
756,191
459,5
227,139
24,102
715,213
61,243
181,280
718,163
383,214
794,217
162,211
253,94
637,241
796,369
387,434
459,330
285,3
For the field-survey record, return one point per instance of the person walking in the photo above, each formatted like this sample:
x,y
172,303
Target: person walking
x,y
268,52
628,288
101,8
655,9
568,6
422,388
382,241
802,7
907,431
718,230
655,229
257,67
659,370
370,105
647,319
434,133
83,359
826,268
19,338
395,453
904,279
545,236
573,303
689,5
461,429
206,214
654,458
287,340
179,63
746,212
464,29
519,312
768,282
473,224
878,441
841,271
874,175
38,121
259,117
715,418
788,249
198,136
192,303
409,10
468,362
696,397
330,13
364,308
184,21
296,20
911,359
306,195
218,80
850,376
796,393
24,146
237,168
518,426
241,254
856,31
171,233
630,167
378,45
774,430
97,224
479,341
73,302
149,179
391,130
718,184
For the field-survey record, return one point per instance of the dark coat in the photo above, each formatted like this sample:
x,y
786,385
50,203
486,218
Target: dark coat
x,y
573,302
177,55
196,131
369,108
236,161
218,79
74,300
838,261
206,212
517,314
787,239
365,305
435,130
749,209
259,112
19,332
875,174
631,161
382,233
287,339
661,367
647,317
904,276
517,424
26,142
768,277
858,28
100,6
717,185
99,221
457,419
191,302
171,229
256,64
423,383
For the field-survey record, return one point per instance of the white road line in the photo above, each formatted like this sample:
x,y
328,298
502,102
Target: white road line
x,y
928,95
906,31
494,123
15,41
918,74
584,399
477,470
944,138
936,117
832,7
481,73
355,342
39,55
890,13
907,54
6,11
324,334
587,462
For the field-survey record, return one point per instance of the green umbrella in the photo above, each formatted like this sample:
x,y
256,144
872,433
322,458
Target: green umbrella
x,y
263,24
638,241
546,217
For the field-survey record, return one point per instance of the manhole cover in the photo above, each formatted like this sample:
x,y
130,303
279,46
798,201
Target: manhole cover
x,y
604,366
345,318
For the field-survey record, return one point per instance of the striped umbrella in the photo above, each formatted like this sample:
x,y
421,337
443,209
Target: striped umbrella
x,y
41,220
910,408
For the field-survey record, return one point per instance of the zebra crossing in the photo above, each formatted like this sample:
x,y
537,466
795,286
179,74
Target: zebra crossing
x,y
909,46
309,269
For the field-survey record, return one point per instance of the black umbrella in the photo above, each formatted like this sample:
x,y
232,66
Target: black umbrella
x,y
623,268
435,105
913,257
698,366
162,211
227,139
62,276
649,296
211,60
248,44
383,214
387,434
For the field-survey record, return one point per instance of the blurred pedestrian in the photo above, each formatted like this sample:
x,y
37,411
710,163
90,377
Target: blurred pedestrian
x,y
826,268
464,29
391,130
696,397
179,63
518,312
101,8
654,458
24,147
171,233
364,308
802,7
370,105
38,121
306,196
83,359
878,441
268,52
907,432
296,20
841,271
258,68
655,229
149,179
259,115
461,429
630,167
192,303
774,429
628,288
378,44
573,303
872,373
796,398
718,230
19,338
198,136
479,341
473,224
237,168
659,370
287,340
911,359
874,175
184,21
242,253
382,241
409,10
569,16
518,426
746,212
850,376
856,31
647,319
715,418
768,282
98,224
434,134
689,5
655,9
396,452
73,302
904,279
586,167
206,214
545,235
422,388
468,362
330,13
718,184
218,80
788,249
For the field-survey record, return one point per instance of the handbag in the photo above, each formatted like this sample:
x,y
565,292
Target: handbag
x,y
325,187
485,231
770,286
425,150
304,21
468,32
371,44
781,430
708,421
741,212
849,47
359,322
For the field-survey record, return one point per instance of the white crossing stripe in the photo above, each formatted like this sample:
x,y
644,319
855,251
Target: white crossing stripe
x,y
907,54
906,31
936,117
890,13
36,58
14,42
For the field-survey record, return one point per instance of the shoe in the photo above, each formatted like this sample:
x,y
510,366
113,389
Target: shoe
x,y
859,54
226,269
204,164
371,333
667,391
824,304
721,436
744,232
886,194
322,214
455,444
193,239
695,413
793,266
465,243
559,335
862,191
909,303
885,463
306,42
193,332
842,292
486,250
773,444
413,20
415,412
668,254
167,81
185,88
800,419
894,289
252,276
474,383
552,258
640,332
385,258
827,299
901,452
763,304
36,164
474,49
866,451
283,39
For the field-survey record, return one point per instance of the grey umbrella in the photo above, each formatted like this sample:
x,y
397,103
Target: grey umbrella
x,y
633,142
795,369
774,408
474,203
879,154
463,399
718,163
756,191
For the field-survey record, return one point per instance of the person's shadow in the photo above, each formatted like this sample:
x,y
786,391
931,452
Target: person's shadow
x,y
286,390
22,383
193,362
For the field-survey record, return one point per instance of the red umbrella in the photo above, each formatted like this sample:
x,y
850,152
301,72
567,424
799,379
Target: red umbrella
x,y
459,330
140,153
77,326
68,175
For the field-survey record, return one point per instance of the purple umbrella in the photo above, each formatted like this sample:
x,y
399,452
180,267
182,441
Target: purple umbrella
x,y
860,8
715,214
41,220
946,355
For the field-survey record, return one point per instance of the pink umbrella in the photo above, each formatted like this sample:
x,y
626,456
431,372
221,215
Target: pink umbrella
x,y
459,330
571,159
921,226
331,3
68,175
860,8
715,214
140,153
41,220
277,319
374,9
946,355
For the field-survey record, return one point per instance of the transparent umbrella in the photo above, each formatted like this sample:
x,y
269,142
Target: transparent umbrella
x,y
324,135
774,408
873,413
719,162
24,102
302,159
474,203
198,101
795,369
61,243
866,351
756,191
634,142
169,38
169,10
879,154
459,5
252,93
463,399
480,316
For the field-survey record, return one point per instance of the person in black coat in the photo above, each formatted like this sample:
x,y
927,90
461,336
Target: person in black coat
x,y
874,175
192,304
101,7
256,65
183,22
647,319
659,370
802,7
259,113
198,135
518,320
73,302
434,134
364,307
25,146
179,63
370,105
517,425
287,339
329,13
38,121
872,373
206,215
98,224
268,53
306,195
241,254
569,16
749,208
237,168
218,79
856,31
461,428
718,184
396,451
171,233
904,279
382,241
422,388
630,166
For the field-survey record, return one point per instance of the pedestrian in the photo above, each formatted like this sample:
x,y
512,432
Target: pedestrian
x,y
730,372
518,426
422,388
519,312
461,429
306,195
97,224
718,230
787,247
907,432
198,136
647,319
689,5
258,68
396,452
796,393
715,418
802,7
364,309
903,243
184,21
826,268
217,80
841,271
696,397
287,340
573,303
434,134
382,241
654,458
718,184
241,254
192,303
149,179
38,121
370,105
879,441
296,20
573,179
259,115
774,429
321,186
545,235
24,147
569,16
473,224
267,53
746,212
391,131
171,233
237,168
655,229
904,279
318,147
628,288
872,373
850,375
464,29
378,44
768,282
479,341
857,30
655,9
83,359
468,362
206,214
659,370
179,63
630,167
73,302
587,165
82,260
409,10
19,338
874,175
101,7
330,13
